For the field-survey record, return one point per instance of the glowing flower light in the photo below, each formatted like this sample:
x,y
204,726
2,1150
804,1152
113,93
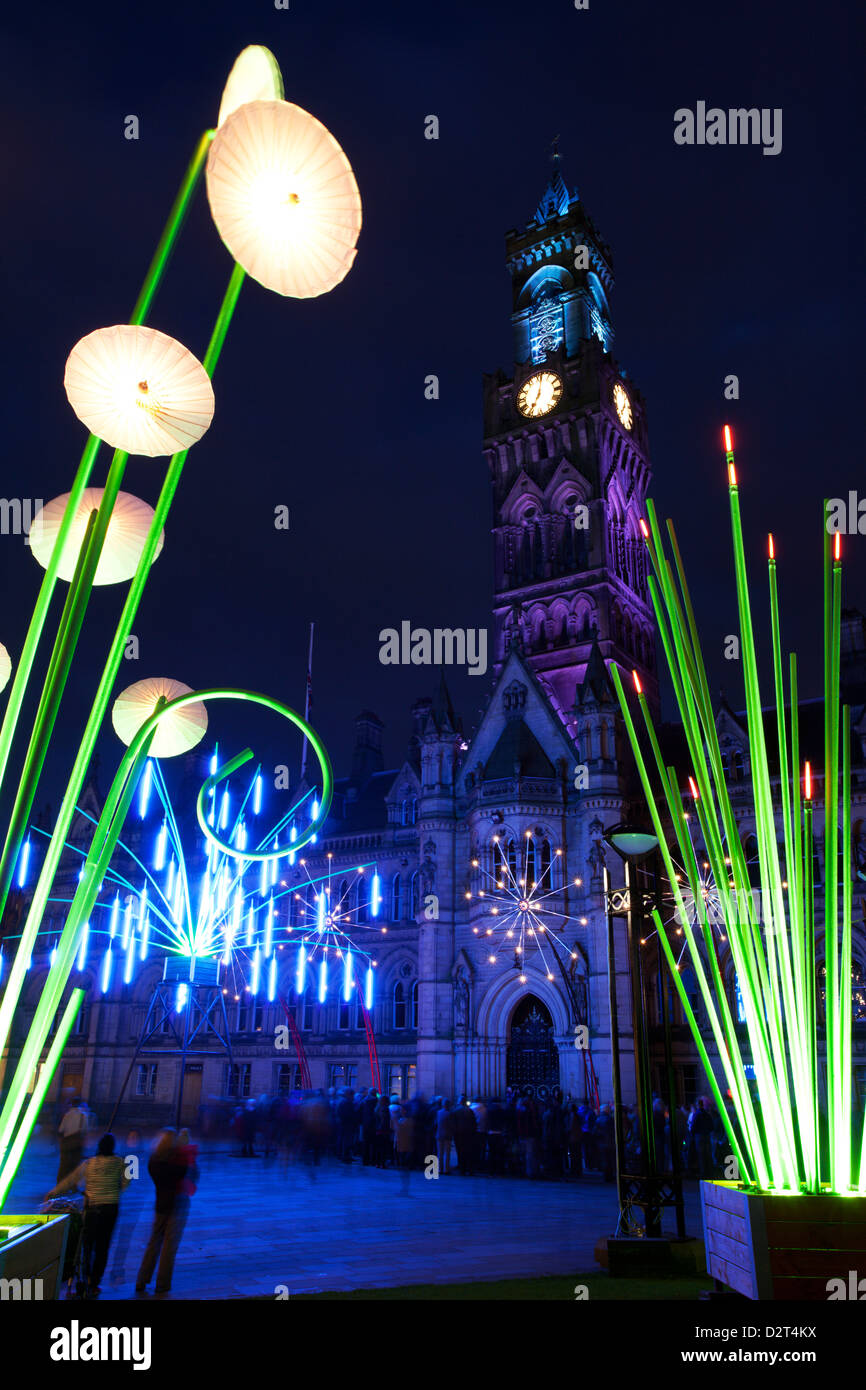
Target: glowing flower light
x,y
179,731
255,76
284,198
139,390
124,539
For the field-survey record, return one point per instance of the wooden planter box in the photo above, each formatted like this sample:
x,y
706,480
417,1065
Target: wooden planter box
x,y
31,1256
776,1247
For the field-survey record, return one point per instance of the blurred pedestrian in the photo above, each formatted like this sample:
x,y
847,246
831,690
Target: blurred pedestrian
x,y
169,1173
574,1140
700,1130
73,1132
368,1127
465,1131
347,1125
384,1143
248,1126
404,1146
444,1137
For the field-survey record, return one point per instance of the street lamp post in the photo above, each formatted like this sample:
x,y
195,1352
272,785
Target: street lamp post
x,y
649,1189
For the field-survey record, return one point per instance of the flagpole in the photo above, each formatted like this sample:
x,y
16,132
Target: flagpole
x,y
307,699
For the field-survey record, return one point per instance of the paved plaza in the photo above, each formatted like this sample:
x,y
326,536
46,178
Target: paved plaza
x,y
258,1224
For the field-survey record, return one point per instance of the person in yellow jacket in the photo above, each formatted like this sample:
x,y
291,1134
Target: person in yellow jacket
x,y
103,1178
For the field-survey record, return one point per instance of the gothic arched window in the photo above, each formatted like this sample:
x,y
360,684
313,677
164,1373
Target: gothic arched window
x,y
750,850
414,1023
395,898
399,1017
414,895
505,862
409,810
544,863
362,898
529,867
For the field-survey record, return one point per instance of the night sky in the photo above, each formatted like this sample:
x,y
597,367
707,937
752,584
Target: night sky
x,y
726,261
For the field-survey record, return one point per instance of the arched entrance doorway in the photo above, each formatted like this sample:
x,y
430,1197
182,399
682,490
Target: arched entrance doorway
x,y
532,1060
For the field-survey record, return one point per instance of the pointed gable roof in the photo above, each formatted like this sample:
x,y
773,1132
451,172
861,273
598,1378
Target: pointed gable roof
x,y
519,726
518,752
442,713
596,684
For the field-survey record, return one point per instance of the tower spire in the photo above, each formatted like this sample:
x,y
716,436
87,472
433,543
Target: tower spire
x,y
556,198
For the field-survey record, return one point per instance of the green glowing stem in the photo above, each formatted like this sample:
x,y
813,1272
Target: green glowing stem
x,y
845,962
811,978
771,881
781,723
58,671
835,1041
88,458
46,1075
829,936
787,913
796,893
800,927
106,684
176,218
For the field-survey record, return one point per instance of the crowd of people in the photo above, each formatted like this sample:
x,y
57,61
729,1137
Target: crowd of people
x,y
519,1136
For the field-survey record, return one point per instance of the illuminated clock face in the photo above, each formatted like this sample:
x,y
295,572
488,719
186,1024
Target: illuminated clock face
x,y
539,394
623,406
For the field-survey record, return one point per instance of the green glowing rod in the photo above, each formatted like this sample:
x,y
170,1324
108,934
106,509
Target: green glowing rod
x,y
771,930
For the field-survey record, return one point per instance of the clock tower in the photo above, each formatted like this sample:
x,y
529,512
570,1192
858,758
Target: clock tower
x,y
566,447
